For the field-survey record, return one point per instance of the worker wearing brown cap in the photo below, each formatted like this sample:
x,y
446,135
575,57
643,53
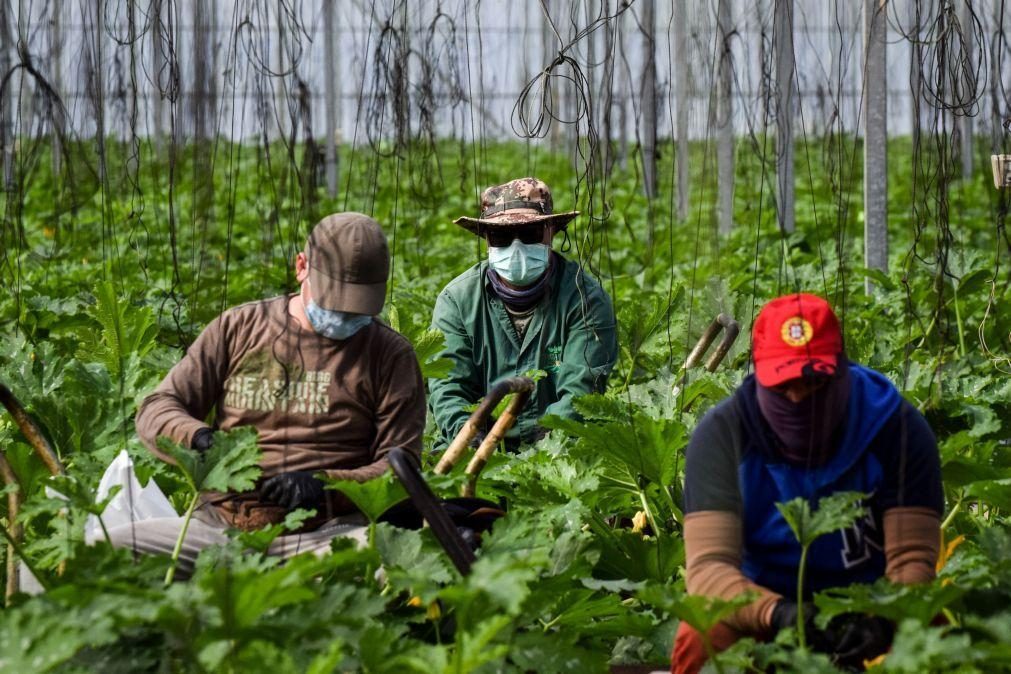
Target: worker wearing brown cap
x,y
524,308
329,388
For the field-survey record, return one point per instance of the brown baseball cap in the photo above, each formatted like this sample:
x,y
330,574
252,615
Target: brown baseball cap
x,y
349,263
517,202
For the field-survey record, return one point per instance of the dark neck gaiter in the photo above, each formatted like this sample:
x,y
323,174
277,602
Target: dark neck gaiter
x,y
521,299
806,430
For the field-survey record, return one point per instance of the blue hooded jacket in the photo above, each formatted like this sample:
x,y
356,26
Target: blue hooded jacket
x,y
771,554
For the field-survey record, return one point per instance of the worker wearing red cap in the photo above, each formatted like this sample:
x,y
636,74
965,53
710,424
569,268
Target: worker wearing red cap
x,y
808,423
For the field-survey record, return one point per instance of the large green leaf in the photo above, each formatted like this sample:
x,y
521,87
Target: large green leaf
x,y
230,465
372,497
702,613
638,446
834,512
124,330
922,603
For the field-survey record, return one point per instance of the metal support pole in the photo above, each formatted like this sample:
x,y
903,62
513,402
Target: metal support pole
x,y
915,72
550,48
203,102
25,93
875,116
607,99
964,120
158,77
623,100
647,97
331,86
683,102
97,81
58,127
725,119
6,108
786,91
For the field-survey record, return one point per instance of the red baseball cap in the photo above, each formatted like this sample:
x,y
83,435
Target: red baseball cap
x,y
795,335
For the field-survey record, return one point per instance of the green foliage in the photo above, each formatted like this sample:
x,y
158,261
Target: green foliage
x,y
428,344
103,300
834,512
922,603
702,613
122,331
373,497
231,463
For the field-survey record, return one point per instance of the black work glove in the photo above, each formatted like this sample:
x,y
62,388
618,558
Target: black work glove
x,y
859,637
784,615
297,489
848,639
202,439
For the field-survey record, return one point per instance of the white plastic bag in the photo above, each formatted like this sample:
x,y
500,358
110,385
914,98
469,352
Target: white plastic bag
x,y
132,503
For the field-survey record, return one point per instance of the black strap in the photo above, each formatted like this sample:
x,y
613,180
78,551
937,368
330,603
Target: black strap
x,y
406,469
538,206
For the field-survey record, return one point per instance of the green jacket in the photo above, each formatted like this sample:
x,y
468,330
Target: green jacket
x,y
572,337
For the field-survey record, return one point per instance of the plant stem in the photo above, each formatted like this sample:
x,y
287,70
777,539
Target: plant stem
x,y
958,321
800,597
21,555
623,483
631,370
171,573
649,512
105,531
951,516
710,652
670,502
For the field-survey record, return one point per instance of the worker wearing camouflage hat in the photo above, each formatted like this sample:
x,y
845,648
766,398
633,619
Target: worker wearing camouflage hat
x,y
523,308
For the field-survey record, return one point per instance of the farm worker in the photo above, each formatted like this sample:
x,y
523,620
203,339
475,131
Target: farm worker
x,y
329,388
807,424
524,308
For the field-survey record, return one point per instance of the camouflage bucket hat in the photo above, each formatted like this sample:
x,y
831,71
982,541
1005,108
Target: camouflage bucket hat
x,y
518,202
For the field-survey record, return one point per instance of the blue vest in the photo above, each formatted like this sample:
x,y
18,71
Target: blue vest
x,y
771,554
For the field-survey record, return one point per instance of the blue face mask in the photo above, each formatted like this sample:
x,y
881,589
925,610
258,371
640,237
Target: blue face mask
x,y
520,263
334,324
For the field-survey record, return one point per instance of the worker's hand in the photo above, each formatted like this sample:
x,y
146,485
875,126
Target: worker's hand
x,y
858,637
202,439
784,615
297,489
849,639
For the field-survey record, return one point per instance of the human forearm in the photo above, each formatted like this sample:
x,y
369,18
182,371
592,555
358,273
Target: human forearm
x,y
450,396
162,414
587,359
178,407
713,568
912,544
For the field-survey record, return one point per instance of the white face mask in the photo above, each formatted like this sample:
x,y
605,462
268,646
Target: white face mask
x,y
520,263
333,324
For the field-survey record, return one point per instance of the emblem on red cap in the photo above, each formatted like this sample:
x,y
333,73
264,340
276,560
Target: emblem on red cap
x,y
796,331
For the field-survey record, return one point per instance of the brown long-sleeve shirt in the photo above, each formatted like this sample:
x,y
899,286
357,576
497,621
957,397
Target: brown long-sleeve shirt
x,y
319,405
